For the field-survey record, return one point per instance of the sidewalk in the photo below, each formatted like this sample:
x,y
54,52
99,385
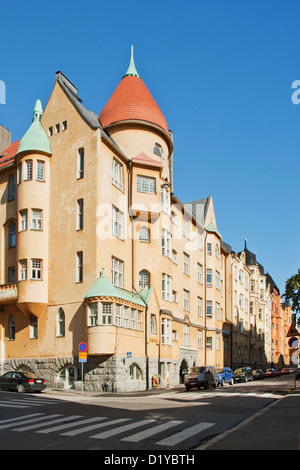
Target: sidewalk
x,y
276,427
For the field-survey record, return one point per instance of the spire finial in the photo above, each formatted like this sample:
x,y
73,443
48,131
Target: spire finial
x,y
131,69
245,240
38,111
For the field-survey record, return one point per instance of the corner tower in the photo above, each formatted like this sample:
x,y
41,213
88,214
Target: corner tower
x,y
33,164
134,120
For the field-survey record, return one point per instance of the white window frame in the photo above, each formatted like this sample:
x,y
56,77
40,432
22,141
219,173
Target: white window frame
x,y
166,287
36,219
117,174
117,222
36,269
146,184
117,272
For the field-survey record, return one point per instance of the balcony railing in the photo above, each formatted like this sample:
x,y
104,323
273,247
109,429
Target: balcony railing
x,y
8,292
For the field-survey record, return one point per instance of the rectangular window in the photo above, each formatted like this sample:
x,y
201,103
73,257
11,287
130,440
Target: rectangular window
x,y
79,266
11,274
126,317
117,220
11,188
166,287
165,201
64,125
209,277
200,306
166,331
186,335
40,171
218,283
209,308
117,268
146,184
36,222
80,163
209,249
22,270
79,214
117,174
106,317
133,319
28,170
23,220
186,300
93,314
200,339
218,311
200,273
36,269
186,264
139,320
209,342
166,243
118,314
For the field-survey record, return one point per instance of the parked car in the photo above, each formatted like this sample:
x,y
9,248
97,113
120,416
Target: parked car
x,y
270,373
243,374
291,370
297,373
277,373
285,371
22,381
202,376
258,374
225,375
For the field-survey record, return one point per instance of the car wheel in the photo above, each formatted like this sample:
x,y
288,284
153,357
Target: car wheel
x,y
20,388
223,382
231,381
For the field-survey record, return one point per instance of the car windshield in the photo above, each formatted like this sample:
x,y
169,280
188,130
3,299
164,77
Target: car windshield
x,y
238,371
197,370
219,370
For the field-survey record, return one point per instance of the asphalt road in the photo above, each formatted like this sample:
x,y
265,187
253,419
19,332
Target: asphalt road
x,y
149,423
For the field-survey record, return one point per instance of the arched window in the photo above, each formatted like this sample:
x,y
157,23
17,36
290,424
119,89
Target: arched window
x,y
135,372
11,328
144,280
60,326
12,235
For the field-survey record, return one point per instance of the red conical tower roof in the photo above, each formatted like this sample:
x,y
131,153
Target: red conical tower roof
x,y
132,101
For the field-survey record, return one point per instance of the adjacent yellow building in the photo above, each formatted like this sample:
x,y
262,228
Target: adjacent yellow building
x,y
97,248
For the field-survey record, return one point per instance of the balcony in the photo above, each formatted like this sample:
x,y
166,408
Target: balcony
x,y
8,293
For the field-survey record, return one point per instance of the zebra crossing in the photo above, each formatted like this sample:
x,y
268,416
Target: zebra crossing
x,y
102,427
25,402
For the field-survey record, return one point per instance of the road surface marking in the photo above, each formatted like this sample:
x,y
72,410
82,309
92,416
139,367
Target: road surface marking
x,y
185,434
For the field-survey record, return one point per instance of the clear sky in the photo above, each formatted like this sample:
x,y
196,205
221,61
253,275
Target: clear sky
x,y
220,71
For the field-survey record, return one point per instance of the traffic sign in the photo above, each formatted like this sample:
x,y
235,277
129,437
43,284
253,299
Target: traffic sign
x,y
293,342
82,357
82,347
292,331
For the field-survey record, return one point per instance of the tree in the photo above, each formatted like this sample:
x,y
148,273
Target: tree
x,y
292,292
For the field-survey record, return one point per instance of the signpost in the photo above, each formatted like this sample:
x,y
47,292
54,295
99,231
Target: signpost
x,y
82,358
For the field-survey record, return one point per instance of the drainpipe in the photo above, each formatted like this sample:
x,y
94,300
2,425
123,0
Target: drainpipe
x,y
205,296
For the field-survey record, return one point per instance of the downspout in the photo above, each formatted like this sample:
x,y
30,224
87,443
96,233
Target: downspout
x,y
132,272
205,296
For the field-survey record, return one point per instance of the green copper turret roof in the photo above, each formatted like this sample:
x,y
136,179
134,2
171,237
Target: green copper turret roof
x,y
212,228
131,69
103,287
36,137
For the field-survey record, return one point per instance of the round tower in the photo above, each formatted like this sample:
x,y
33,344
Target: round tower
x,y
33,184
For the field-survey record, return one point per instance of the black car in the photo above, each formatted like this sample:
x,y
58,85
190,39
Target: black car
x,y
243,374
258,374
204,376
22,381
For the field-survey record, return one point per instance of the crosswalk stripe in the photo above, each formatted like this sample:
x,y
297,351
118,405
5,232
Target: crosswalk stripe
x,y
8,404
26,421
139,436
94,426
126,427
185,434
52,421
69,425
19,418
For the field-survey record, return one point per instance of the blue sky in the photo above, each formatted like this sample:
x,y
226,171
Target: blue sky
x,y
222,74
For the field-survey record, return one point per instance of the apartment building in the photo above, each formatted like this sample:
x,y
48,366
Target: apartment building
x,y
97,248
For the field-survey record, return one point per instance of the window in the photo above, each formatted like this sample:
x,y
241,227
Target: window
x,y
166,331
144,234
28,170
106,317
11,188
33,327
146,184
60,326
19,173
209,249
11,274
40,171
79,214
139,320
50,131
64,125
23,220
157,150
36,222
133,319
186,335
186,264
217,252
126,317
117,174
80,163
186,300
93,314
209,308
36,269
12,235
166,243
166,287
57,128
135,372
200,339
200,273
152,323
217,341
218,284
209,277
11,328
165,201
118,314
79,266
144,280
200,306
22,270
117,222
117,268
208,342
218,311
186,228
